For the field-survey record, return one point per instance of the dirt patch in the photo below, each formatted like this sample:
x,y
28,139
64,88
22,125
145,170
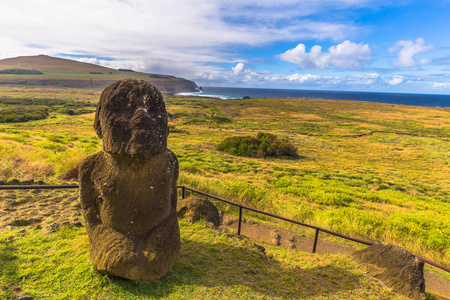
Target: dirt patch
x,y
29,208
283,237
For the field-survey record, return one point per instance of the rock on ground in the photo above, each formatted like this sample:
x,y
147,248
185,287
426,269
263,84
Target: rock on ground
x,y
196,208
394,266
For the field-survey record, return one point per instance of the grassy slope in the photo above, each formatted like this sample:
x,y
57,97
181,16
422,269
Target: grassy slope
x,y
211,265
69,73
373,170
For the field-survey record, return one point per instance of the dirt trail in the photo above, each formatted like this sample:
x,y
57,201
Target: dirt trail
x,y
50,209
291,239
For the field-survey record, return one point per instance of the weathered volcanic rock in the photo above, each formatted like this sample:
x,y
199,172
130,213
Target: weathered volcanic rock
x,y
395,267
128,190
131,119
196,208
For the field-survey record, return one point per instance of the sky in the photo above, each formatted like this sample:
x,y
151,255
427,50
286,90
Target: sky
x,y
346,45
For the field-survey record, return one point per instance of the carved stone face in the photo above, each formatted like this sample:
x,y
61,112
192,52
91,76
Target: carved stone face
x,y
131,119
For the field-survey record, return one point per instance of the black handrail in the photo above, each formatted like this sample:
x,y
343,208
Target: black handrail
x,y
278,217
38,187
241,208
318,229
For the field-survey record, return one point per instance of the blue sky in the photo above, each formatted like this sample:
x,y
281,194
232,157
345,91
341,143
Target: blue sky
x,y
355,45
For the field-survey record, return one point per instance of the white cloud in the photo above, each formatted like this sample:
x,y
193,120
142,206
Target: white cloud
x,y
347,55
407,50
266,79
396,80
238,69
186,37
362,79
302,78
441,85
115,64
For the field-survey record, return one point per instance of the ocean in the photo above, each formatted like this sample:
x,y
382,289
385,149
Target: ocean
x,y
392,98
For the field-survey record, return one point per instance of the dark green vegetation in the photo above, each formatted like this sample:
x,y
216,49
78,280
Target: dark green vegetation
x,y
21,114
25,109
265,144
21,72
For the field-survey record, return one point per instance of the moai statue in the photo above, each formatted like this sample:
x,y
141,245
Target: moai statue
x,y
128,190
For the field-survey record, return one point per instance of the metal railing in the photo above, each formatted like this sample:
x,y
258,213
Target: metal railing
x,y
241,208
38,187
318,229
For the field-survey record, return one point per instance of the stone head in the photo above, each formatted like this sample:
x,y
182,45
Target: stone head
x,y
131,119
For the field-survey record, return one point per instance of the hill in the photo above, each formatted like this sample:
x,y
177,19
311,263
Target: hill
x,y
59,72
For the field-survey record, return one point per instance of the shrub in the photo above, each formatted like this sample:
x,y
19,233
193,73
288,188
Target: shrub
x,y
21,72
20,114
265,144
73,112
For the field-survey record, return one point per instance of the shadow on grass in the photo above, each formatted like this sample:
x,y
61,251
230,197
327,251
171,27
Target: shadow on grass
x,y
210,265
227,268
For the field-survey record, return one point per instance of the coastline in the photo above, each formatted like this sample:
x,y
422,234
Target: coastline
x,y
387,98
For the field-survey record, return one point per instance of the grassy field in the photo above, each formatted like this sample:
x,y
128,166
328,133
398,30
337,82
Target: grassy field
x,y
211,265
379,171
373,170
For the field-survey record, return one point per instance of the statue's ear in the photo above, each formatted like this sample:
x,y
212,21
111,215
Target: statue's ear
x,y
97,125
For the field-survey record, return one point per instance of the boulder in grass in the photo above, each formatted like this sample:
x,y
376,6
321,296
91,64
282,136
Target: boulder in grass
x,y
195,208
394,266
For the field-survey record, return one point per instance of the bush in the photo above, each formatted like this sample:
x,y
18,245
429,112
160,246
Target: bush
x,y
21,72
265,144
73,112
20,114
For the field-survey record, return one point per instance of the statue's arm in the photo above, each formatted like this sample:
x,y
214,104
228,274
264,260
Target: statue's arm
x,y
88,191
175,166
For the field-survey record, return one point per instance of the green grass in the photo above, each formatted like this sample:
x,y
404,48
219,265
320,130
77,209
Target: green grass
x,y
373,170
21,114
56,265
38,106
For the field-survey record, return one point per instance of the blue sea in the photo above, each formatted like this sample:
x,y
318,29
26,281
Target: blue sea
x,y
392,98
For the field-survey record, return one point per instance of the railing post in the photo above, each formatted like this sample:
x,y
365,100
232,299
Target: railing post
x,y
315,241
240,220
183,192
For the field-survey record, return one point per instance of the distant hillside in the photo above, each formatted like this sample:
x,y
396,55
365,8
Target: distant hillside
x,y
69,73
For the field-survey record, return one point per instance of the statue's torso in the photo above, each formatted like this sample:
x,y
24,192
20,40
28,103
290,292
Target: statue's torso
x,y
134,197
